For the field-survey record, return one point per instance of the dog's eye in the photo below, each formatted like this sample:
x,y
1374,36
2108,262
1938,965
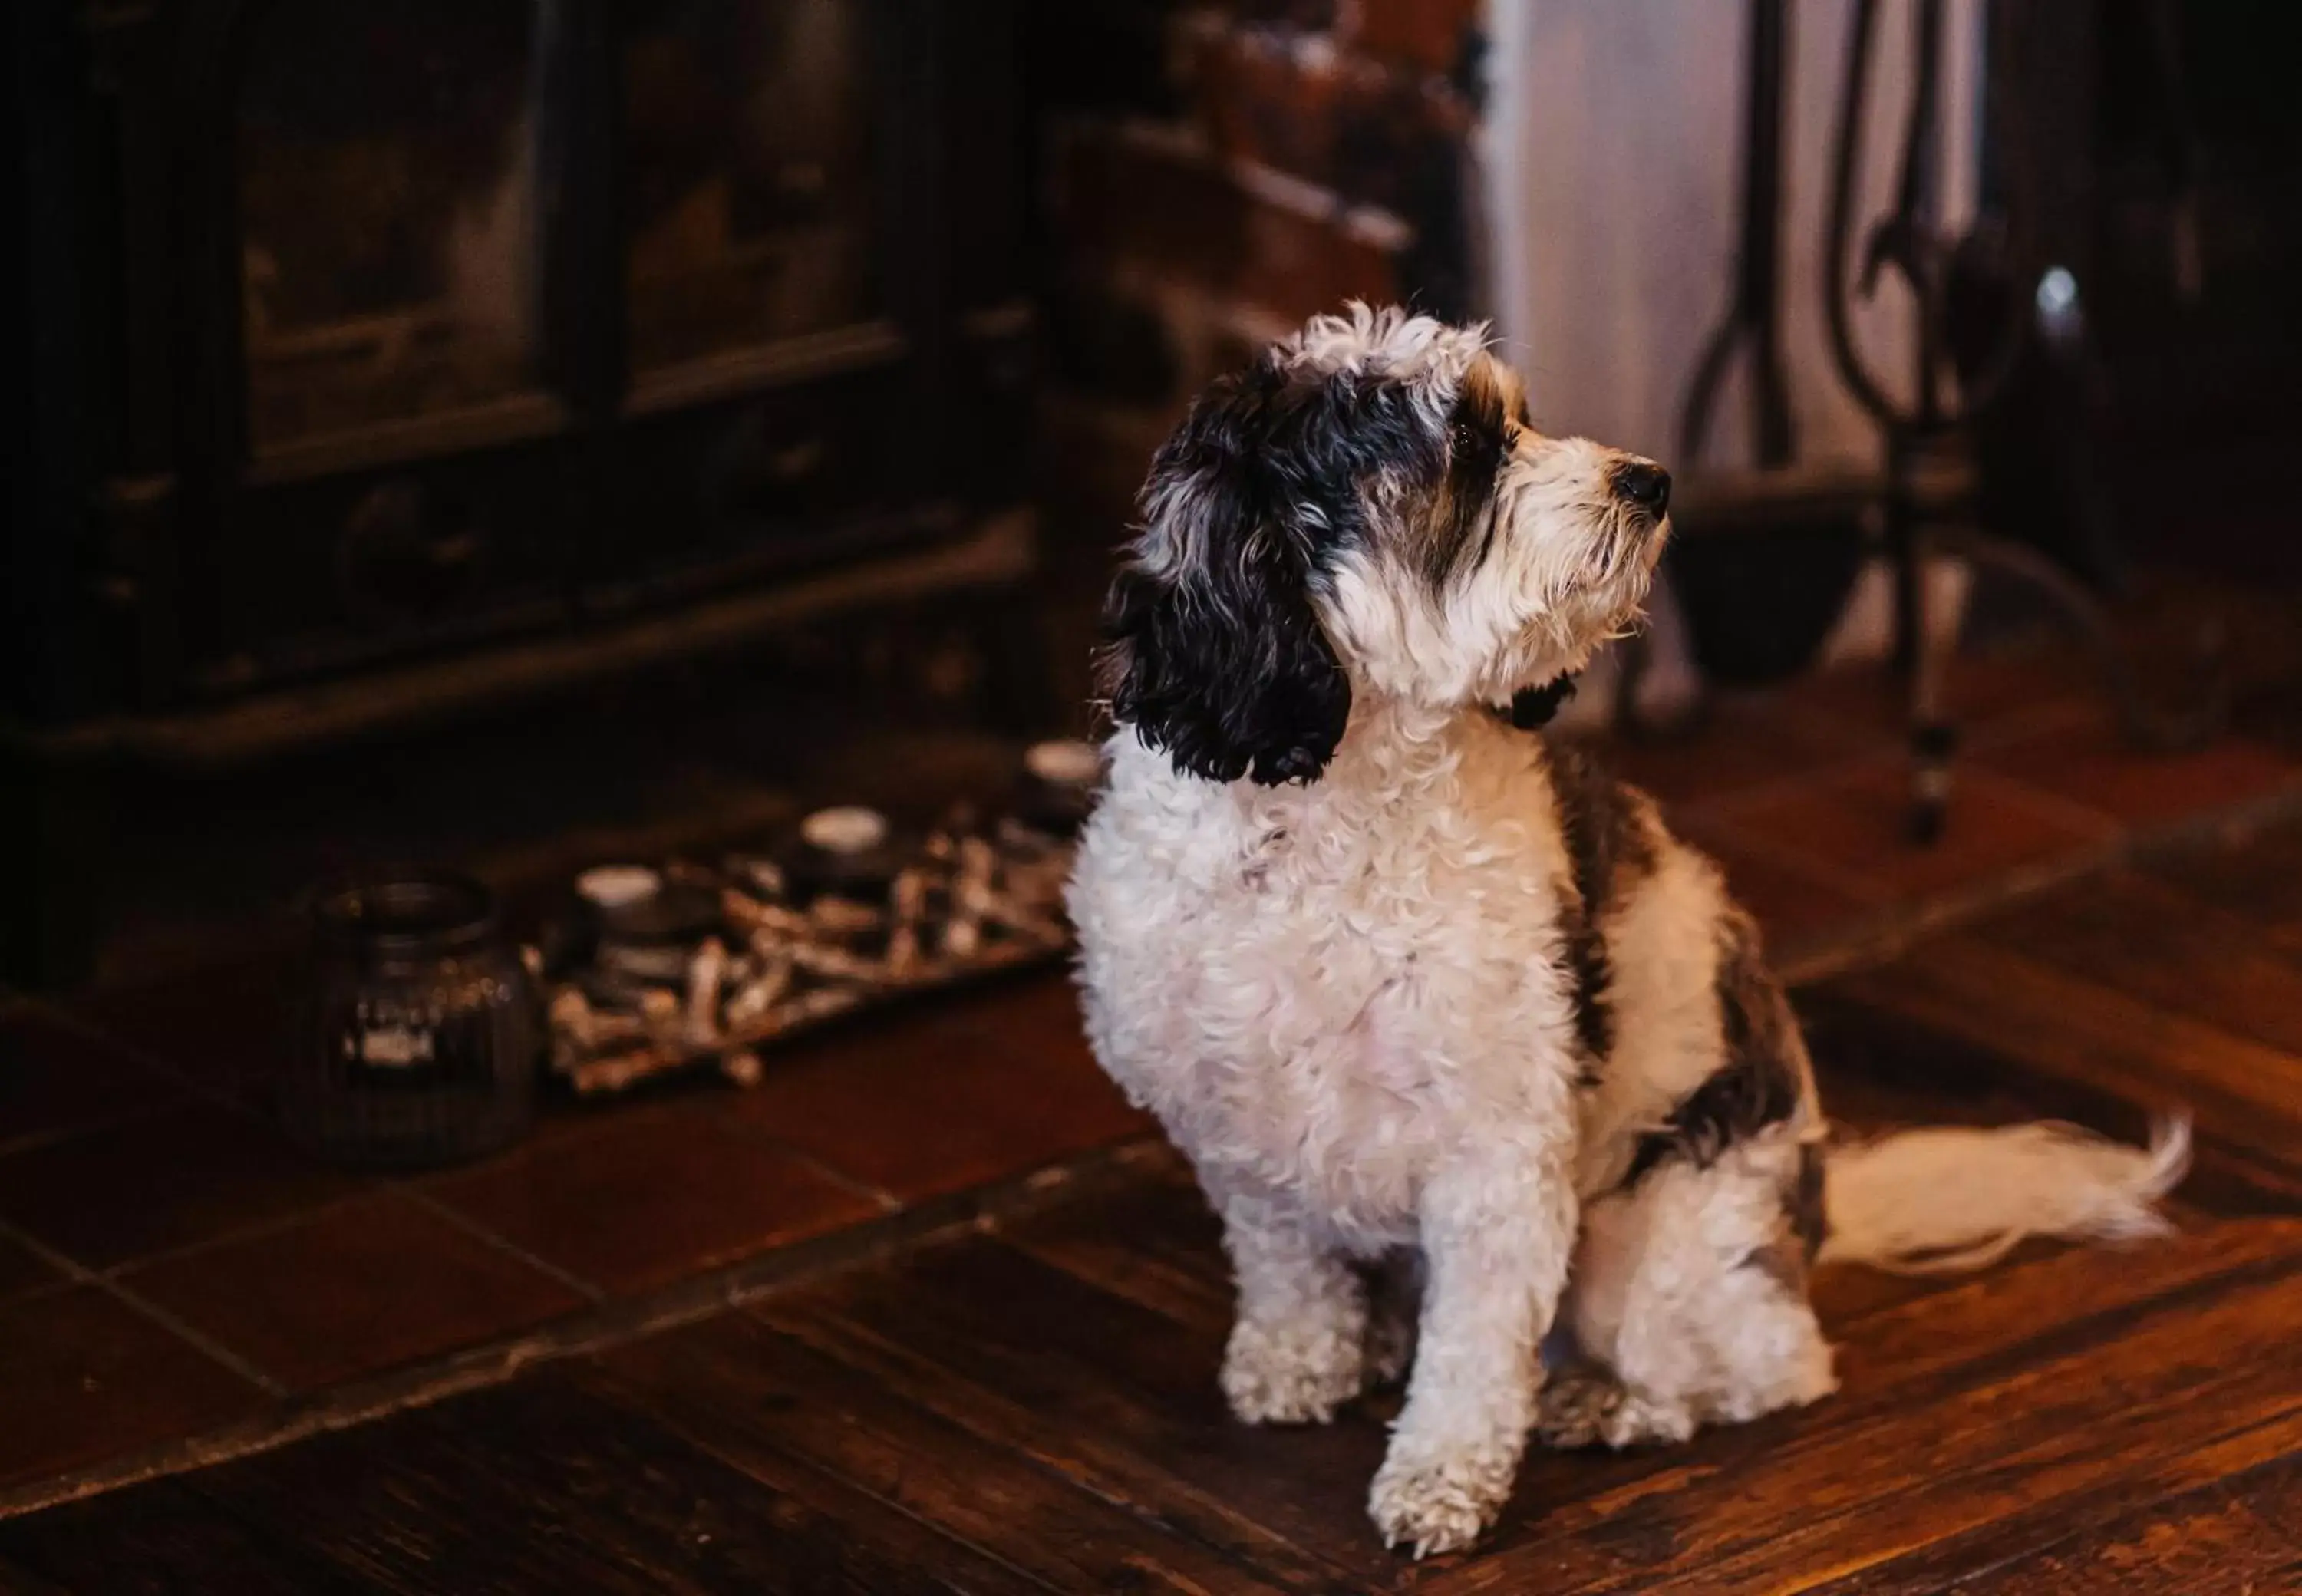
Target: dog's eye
x,y
1462,435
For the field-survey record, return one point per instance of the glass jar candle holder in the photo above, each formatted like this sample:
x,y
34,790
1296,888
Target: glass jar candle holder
x,y
420,1032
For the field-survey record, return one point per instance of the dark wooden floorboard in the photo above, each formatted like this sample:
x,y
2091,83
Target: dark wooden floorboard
x,y
2236,1535
1155,1244
1944,1401
1885,1063
2096,1034
16,1580
2177,952
543,1486
161,1539
1110,1394
1035,1409
760,1399
2223,1518
2260,879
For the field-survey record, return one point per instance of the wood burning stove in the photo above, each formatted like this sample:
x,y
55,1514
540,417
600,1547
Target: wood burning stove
x,y
390,351
408,323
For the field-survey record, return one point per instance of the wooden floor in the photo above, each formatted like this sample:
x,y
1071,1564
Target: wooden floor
x,y
1034,1408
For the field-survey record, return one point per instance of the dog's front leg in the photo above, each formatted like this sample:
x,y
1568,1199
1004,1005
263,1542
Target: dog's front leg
x,y
1297,1349
1498,1231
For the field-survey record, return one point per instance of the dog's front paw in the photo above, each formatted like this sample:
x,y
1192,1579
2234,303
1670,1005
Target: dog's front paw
x,y
1434,1504
1290,1374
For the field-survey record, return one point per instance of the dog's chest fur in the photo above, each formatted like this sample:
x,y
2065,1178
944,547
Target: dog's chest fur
x,y
1321,988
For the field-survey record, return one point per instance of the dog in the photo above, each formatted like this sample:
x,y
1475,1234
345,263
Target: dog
x,y
1435,1008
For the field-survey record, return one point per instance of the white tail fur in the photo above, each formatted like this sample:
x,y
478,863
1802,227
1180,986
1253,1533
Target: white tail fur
x,y
1940,1200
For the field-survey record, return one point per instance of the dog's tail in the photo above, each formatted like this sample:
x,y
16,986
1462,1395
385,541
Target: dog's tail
x,y
1936,1201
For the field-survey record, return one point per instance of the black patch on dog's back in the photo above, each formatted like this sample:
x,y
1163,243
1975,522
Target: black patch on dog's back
x,y
1788,1259
1610,850
1759,1083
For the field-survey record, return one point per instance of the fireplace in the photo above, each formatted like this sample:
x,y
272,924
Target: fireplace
x,y
409,327
400,358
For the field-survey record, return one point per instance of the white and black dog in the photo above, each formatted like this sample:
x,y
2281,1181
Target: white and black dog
x,y
1408,983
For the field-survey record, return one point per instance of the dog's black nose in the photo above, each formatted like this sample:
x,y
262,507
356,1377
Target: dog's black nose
x,y
1646,485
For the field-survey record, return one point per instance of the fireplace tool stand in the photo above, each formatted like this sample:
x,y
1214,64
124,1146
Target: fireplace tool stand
x,y
1926,502
1753,318
1751,325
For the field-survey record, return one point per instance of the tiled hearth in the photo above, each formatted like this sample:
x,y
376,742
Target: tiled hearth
x,y
172,1275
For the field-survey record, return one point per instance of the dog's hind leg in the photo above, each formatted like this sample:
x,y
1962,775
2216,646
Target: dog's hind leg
x,y
1297,1349
1689,1301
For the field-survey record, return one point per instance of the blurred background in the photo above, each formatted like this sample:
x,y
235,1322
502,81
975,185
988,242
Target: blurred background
x,y
553,549
521,431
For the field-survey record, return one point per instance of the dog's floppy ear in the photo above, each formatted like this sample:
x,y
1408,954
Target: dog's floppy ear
x,y
1213,653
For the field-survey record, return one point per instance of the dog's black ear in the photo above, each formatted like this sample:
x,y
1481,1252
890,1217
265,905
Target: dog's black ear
x,y
1213,653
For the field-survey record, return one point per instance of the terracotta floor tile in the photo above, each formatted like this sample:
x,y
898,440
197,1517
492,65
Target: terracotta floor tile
x,y
663,1194
23,1270
1988,693
1747,740
157,1183
229,1029
2089,763
367,1284
1792,906
988,1087
1851,827
85,1377
55,1078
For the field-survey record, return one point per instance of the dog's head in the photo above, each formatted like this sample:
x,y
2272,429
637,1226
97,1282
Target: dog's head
x,y
1368,508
